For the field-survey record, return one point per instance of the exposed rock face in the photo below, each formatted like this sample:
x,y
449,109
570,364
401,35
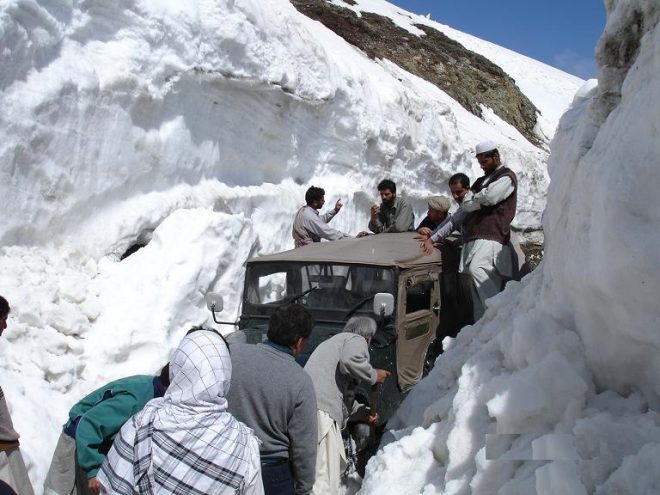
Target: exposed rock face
x,y
468,77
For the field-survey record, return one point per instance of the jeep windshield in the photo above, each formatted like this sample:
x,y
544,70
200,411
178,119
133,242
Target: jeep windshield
x,y
329,291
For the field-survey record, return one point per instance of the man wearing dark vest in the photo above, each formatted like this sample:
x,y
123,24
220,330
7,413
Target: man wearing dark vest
x,y
491,206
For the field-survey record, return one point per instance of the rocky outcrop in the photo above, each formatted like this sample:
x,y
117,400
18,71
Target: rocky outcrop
x,y
469,78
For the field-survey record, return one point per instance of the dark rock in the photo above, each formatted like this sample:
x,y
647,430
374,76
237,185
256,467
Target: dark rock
x,y
533,253
134,248
469,78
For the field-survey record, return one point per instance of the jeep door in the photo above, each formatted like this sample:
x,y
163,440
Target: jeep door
x,y
417,321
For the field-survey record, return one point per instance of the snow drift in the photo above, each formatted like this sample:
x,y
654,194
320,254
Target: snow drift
x,y
194,128
555,390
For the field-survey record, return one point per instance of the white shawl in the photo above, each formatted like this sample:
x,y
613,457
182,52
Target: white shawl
x,y
186,441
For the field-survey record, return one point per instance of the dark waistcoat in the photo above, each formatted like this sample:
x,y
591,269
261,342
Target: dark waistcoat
x,y
492,222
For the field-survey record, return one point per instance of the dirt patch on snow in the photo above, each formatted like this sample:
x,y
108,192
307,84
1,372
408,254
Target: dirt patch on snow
x,y
469,78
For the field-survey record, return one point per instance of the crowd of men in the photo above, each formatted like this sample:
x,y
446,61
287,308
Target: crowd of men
x,y
248,419
483,218
219,418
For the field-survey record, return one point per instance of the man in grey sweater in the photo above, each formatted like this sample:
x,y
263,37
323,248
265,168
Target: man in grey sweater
x,y
274,396
336,366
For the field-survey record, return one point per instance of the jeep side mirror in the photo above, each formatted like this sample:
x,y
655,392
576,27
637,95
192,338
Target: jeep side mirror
x,y
383,304
214,302
216,305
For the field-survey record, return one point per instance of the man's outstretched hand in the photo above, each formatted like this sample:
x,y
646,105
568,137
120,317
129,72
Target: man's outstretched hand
x,y
427,246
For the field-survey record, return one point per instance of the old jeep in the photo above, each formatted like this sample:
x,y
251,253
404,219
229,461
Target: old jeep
x,y
384,276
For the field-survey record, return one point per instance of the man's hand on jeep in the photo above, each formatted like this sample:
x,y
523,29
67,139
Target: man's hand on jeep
x,y
427,246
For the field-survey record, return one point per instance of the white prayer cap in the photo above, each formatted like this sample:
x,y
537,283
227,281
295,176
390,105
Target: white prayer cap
x,y
439,203
485,147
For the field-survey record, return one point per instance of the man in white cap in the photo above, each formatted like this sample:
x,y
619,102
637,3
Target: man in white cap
x,y
459,185
436,214
491,206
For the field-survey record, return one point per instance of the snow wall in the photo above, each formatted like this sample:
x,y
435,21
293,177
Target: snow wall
x,y
196,127
555,390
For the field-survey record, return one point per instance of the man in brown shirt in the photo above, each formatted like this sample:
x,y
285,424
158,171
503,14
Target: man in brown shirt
x,y
12,467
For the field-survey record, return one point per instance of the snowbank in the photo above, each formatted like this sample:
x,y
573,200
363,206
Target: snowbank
x,y
555,390
104,102
197,126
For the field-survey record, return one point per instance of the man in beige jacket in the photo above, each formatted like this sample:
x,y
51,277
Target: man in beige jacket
x,y
336,366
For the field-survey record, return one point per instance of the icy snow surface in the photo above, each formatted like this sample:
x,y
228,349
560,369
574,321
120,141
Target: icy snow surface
x,y
198,126
555,390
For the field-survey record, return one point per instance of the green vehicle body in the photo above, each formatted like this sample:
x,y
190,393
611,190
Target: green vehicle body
x,y
340,279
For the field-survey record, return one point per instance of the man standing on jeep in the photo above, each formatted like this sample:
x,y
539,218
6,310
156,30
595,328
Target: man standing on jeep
x,y
491,206
275,397
394,213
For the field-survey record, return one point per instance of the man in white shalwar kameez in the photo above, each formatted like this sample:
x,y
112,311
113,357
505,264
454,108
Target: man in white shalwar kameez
x,y
491,206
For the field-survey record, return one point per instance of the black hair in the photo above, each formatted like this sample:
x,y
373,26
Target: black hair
x,y
461,178
198,328
164,376
314,194
289,323
387,184
4,307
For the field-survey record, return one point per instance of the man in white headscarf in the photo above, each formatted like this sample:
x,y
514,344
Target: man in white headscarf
x,y
186,441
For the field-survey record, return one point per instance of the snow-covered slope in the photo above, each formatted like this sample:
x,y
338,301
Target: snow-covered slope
x,y
549,89
556,390
197,125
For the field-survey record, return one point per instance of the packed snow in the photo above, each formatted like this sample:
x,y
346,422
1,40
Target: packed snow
x,y
555,390
195,128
